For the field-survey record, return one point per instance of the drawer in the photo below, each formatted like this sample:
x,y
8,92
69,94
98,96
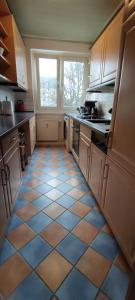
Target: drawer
x,y
9,141
86,131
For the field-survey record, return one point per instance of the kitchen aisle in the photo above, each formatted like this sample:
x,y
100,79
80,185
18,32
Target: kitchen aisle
x,y
58,244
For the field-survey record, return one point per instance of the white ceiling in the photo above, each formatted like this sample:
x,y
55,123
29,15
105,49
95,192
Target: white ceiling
x,y
68,20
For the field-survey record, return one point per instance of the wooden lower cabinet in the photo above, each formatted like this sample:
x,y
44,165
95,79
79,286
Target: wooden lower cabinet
x,y
96,171
118,196
84,153
13,170
4,204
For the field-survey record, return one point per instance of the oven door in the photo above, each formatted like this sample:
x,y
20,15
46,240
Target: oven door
x,y
76,137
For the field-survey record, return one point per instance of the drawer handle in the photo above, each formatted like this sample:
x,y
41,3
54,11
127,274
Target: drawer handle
x,y
4,177
7,172
106,168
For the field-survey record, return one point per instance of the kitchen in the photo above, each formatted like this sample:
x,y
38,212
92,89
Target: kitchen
x,y
67,151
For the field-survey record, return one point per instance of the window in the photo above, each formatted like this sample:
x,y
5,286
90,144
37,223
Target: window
x,y
61,82
48,82
73,89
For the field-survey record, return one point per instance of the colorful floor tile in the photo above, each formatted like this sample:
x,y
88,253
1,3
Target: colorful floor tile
x,y
58,245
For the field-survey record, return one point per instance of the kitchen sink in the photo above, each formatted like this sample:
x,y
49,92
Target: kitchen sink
x,y
99,121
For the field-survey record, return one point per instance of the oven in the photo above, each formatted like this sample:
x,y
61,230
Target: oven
x,y
67,132
76,137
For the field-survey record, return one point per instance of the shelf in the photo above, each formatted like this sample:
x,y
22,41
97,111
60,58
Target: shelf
x,y
3,32
4,61
4,79
6,51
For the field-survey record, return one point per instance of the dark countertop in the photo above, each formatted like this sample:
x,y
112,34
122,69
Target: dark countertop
x,y
99,127
9,123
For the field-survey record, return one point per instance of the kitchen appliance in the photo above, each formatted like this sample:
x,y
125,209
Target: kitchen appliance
x,y
100,140
67,132
76,137
7,107
90,107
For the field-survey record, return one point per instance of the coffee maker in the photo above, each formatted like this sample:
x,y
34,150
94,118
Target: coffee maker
x,y
90,107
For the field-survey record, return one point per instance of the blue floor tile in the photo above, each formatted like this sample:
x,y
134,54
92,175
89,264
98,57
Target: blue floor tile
x,y
39,222
66,201
20,203
83,187
35,251
63,177
45,177
14,223
64,187
43,188
6,251
77,287
68,220
105,245
41,202
32,288
95,218
88,200
72,248
116,284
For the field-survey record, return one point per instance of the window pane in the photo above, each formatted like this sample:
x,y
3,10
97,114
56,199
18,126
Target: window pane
x,y
74,88
48,82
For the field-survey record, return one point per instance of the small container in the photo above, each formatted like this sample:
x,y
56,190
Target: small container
x,y
20,105
1,51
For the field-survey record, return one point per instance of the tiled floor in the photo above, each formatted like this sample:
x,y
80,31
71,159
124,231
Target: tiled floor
x,y
58,244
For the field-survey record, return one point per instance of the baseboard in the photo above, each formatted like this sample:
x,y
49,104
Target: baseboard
x,y
42,144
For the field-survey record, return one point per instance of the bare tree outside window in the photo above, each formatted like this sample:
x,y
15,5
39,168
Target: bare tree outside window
x,y
48,82
73,83
71,93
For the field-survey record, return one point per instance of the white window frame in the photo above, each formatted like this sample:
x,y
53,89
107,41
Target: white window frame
x,y
60,82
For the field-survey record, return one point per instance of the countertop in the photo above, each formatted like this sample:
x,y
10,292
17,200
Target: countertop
x,y
9,123
99,127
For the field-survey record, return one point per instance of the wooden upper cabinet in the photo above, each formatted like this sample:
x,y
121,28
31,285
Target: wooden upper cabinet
x,y
129,8
123,141
112,36
119,206
96,62
13,67
20,56
105,53
96,171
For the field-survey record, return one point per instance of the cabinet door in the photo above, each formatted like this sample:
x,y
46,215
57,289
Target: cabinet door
x,y
96,171
96,62
84,152
112,37
13,169
119,207
123,142
47,130
4,205
20,56
129,8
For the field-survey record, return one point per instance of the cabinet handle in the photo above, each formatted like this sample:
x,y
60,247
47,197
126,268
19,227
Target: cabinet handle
x,y
106,168
7,172
4,177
